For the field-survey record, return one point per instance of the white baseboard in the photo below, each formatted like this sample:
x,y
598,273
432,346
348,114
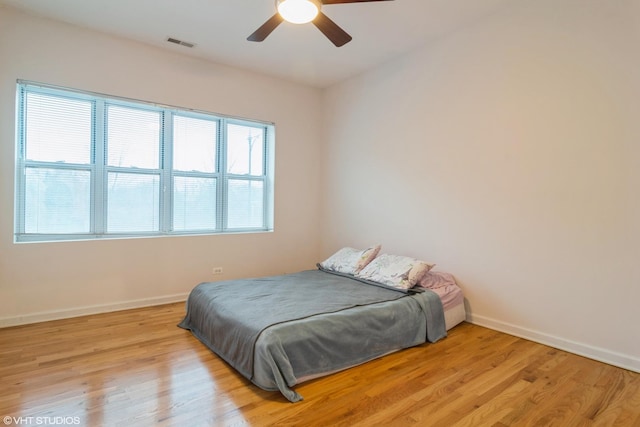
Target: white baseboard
x,y
90,309
624,361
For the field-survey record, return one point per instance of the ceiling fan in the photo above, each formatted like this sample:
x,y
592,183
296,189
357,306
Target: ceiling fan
x,y
302,12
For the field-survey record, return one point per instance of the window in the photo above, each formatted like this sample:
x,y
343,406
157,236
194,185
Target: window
x,y
91,166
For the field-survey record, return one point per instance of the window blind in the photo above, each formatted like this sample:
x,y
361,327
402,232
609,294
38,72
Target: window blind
x,y
94,166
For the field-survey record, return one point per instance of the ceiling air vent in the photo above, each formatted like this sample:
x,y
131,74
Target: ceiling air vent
x,y
180,42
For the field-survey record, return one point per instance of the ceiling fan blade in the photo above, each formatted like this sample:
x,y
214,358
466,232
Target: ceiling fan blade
x,y
261,33
330,29
348,1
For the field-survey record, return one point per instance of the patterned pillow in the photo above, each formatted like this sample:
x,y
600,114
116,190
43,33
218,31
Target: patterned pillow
x,y
350,260
394,270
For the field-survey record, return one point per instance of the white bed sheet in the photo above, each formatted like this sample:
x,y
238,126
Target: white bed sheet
x,y
454,315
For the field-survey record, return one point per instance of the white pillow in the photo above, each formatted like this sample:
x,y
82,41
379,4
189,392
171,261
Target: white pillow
x,y
349,260
396,271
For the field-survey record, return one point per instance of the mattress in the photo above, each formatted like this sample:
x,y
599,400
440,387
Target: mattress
x,y
229,318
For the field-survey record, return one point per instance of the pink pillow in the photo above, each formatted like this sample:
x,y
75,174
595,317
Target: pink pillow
x,y
437,279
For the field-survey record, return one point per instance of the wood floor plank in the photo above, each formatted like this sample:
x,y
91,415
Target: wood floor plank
x,y
137,368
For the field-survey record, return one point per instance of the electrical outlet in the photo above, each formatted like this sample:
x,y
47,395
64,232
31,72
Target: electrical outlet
x,y
217,270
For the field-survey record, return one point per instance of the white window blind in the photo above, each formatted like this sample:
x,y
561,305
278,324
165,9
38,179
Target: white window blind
x,y
91,166
195,177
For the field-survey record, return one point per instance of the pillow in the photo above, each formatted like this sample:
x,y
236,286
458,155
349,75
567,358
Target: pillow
x,y
396,271
349,260
437,279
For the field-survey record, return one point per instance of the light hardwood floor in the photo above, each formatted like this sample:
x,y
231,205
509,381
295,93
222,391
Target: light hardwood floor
x,y
136,367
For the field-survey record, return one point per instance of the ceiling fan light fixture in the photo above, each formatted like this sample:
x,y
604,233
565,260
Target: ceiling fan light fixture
x,y
298,11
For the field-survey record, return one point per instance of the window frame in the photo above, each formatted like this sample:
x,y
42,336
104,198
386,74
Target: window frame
x,y
99,168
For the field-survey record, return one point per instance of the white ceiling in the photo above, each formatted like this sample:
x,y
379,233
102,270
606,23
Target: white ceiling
x,y
219,28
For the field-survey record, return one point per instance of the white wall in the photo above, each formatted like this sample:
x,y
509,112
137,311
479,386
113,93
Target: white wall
x,y
509,154
39,281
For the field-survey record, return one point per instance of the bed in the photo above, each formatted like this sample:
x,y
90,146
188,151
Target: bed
x,y
279,331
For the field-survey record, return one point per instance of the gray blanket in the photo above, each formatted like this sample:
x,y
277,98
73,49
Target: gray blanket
x,y
305,323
